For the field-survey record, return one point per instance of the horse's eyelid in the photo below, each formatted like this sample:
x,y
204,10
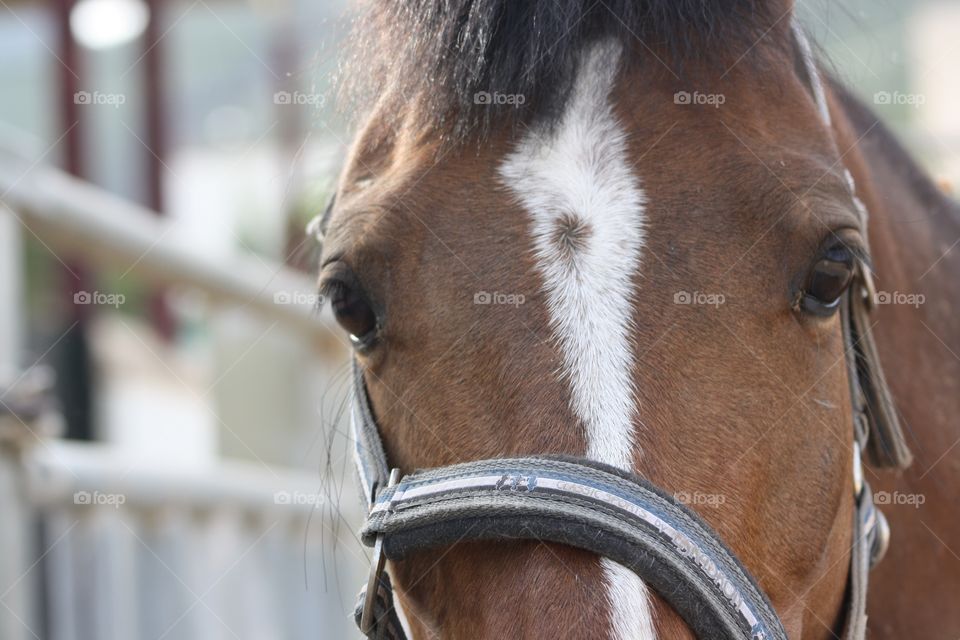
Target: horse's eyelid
x,y
851,242
326,288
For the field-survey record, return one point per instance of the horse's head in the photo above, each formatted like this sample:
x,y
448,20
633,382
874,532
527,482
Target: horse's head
x,y
561,232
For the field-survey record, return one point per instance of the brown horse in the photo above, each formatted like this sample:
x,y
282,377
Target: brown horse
x,y
618,230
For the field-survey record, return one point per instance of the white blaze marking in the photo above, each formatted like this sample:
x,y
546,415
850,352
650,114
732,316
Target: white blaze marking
x,y
580,171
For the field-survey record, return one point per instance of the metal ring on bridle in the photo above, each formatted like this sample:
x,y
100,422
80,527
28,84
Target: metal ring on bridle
x,y
377,563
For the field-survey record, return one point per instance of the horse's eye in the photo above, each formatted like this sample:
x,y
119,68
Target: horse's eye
x,y
828,280
351,308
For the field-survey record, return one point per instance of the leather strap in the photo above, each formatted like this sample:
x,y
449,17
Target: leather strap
x,y
368,452
386,623
622,517
870,537
884,442
879,426
588,505
868,532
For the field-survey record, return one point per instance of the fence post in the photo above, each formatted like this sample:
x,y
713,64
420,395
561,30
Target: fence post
x,y
18,585
18,582
11,266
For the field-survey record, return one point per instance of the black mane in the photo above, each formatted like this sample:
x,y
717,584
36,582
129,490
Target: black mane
x,y
439,54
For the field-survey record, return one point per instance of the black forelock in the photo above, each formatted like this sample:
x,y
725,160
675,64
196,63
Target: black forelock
x,y
440,54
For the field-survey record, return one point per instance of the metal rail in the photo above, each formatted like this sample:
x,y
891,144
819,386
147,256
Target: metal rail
x,y
75,218
123,513
63,472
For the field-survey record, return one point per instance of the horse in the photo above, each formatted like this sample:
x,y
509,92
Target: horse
x,y
629,234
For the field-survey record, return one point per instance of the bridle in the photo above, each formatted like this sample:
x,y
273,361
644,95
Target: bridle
x,y
619,515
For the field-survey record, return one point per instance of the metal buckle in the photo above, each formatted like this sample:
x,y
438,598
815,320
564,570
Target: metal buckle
x,y
857,471
377,563
877,527
869,287
881,541
861,425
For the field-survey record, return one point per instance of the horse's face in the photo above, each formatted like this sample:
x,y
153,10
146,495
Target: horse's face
x,y
646,283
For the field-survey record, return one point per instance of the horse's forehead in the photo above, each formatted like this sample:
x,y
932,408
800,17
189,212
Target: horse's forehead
x,y
743,143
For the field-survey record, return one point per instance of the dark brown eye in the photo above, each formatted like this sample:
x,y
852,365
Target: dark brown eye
x,y
354,314
827,281
351,306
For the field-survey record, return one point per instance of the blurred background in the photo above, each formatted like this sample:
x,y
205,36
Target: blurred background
x,y
174,459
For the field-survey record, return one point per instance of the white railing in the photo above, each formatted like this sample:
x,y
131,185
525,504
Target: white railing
x,y
222,552
74,218
97,547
